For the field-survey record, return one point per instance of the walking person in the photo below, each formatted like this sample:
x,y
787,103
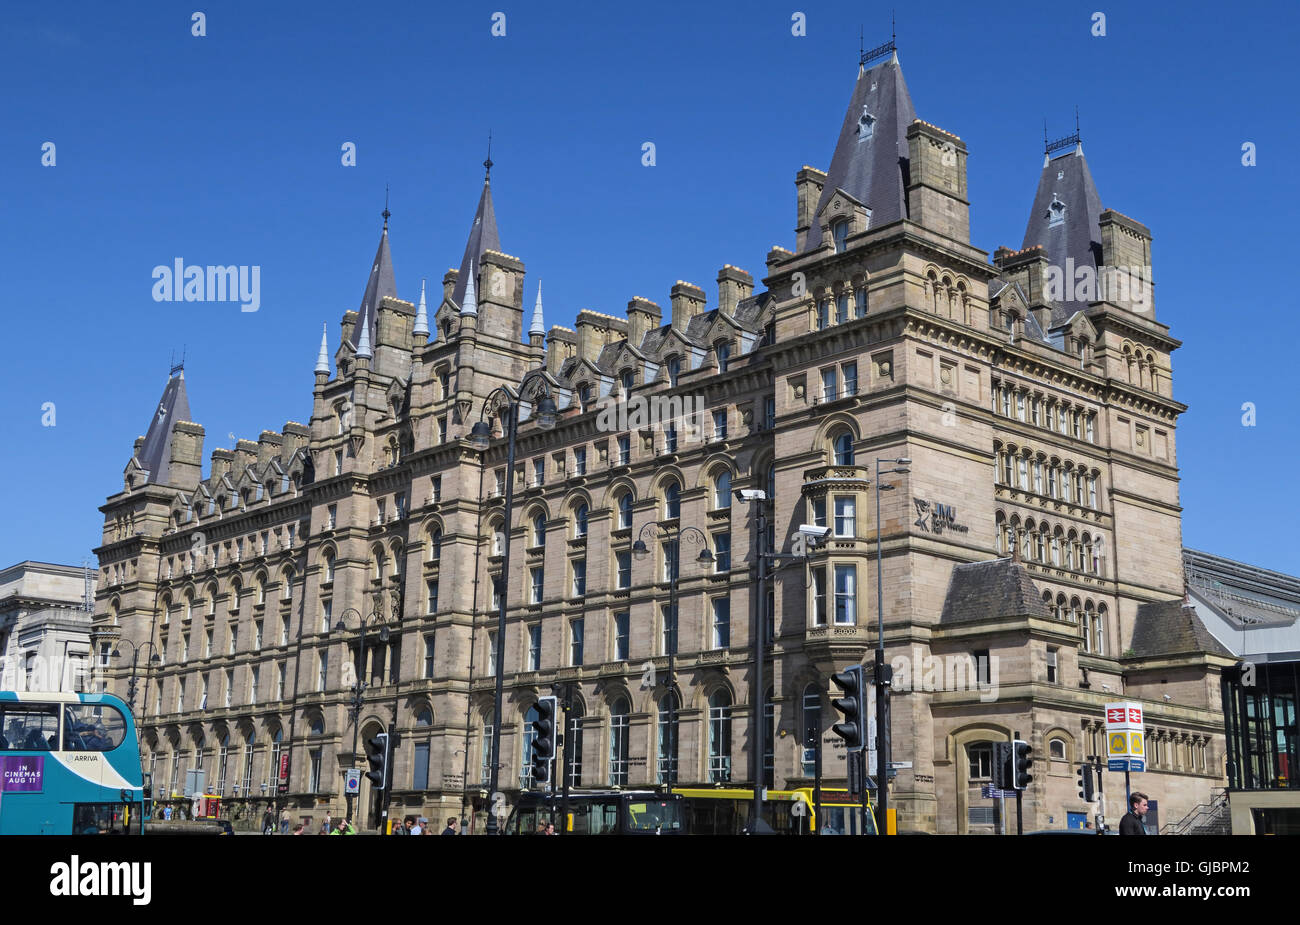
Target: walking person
x,y
1134,820
268,822
451,826
284,821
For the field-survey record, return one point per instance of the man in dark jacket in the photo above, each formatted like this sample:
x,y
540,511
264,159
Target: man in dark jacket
x,y
1131,824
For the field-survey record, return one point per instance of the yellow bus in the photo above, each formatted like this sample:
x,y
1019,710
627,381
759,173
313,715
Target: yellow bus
x,y
727,811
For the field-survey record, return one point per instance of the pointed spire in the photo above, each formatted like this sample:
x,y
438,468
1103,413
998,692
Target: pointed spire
x,y
421,315
870,162
482,237
538,326
323,358
380,283
470,305
156,452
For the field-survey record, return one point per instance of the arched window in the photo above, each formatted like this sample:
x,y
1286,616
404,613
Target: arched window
x,y
625,511
722,490
1056,748
498,537
317,727
539,529
812,720
1099,631
435,544
329,566
580,520
667,770
424,717
223,754
618,742
720,737
672,500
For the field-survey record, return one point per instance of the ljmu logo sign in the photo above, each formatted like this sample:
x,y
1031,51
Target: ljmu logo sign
x,y
934,517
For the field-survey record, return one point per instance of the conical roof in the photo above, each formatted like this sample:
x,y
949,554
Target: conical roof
x,y
482,237
156,451
379,284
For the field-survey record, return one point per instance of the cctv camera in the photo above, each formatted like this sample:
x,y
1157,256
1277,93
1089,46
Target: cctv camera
x,y
813,531
751,494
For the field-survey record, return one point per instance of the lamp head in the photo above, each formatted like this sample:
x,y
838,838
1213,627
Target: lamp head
x,y
383,634
480,435
704,558
546,412
639,549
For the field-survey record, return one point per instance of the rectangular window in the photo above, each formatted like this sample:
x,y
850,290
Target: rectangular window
x,y
622,635
313,781
1006,468
823,315
671,560
842,308
670,439
333,510
265,541
982,666
1006,402
624,562
539,471
535,647
846,522
624,450
254,682
180,695
721,552
431,590
326,615
499,482
850,378
819,596
442,430
1088,432
185,647
846,594
1051,666
819,512
428,655
492,650
279,681
580,461
829,381
536,577
1034,411
1092,492
721,622
1060,419
1020,406
420,769
674,370
436,486
579,577
720,425
257,635
234,639
1038,476
1074,424
723,352
338,462
207,643
1022,468
322,669
399,502
1051,481
575,641
860,296
668,642
230,687
769,412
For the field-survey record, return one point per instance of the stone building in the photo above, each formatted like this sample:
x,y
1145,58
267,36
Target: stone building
x,y
1033,537
45,621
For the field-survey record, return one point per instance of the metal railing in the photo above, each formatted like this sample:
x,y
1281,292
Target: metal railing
x,y
1210,818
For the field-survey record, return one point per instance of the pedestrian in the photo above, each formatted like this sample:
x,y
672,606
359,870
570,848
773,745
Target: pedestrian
x,y
300,829
329,825
398,828
268,822
550,828
167,814
418,828
1134,819
347,827
284,821
428,828
541,827
451,826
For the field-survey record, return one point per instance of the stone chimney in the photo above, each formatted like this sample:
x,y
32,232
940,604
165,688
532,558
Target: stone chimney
x,y
245,455
449,283
186,463
687,302
734,284
560,346
220,465
809,182
643,316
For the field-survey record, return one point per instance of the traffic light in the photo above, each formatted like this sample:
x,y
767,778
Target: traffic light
x,y
544,739
1001,765
377,754
850,730
1022,764
1086,792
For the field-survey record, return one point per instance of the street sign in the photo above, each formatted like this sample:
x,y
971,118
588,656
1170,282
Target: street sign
x,y
352,783
1125,745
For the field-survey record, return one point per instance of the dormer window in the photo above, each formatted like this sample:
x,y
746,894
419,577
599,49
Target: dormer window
x,y
723,351
674,370
629,379
866,125
584,395
840,233
1055,212
446,328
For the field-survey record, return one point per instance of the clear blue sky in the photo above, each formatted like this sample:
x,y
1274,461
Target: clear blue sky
x,y
226,150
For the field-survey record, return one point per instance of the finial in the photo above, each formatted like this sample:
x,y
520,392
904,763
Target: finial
x,y
386,212
470,306
1076,118
323,358
364,351
893,32
538,325
861,48
488,163
421,315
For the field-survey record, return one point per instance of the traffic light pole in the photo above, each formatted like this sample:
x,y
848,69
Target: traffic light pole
x,y
814,737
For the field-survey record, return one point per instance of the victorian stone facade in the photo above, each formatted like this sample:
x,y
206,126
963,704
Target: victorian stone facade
x,y
1035,539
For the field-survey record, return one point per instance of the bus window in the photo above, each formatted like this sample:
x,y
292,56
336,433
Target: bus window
x,y
30,727
100,819
92,727
654,816
845,820
592,818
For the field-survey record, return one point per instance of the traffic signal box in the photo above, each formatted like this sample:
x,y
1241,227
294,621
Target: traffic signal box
x,y
1023,763
850,681
544,739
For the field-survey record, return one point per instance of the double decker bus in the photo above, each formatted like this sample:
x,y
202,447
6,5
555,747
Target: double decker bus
x,y
600,812
729,811
69,765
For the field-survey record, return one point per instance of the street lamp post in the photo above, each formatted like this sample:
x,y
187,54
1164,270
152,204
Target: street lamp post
x,y
481,437
154,659
881,681
359,688
704,559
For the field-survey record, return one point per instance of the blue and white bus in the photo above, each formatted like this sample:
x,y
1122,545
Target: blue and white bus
x,y
69,765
